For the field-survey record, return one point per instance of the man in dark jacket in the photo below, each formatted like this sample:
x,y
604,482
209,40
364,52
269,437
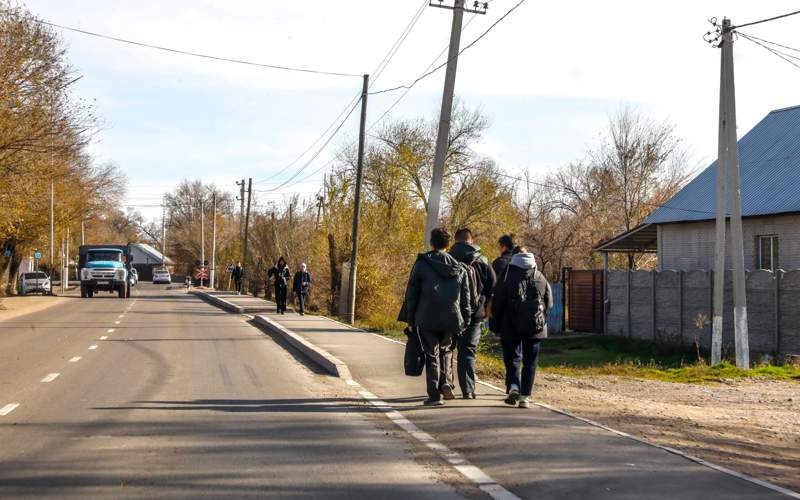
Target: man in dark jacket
x,y
469,254
506,307
280,274
238,273
437,304
302,287
499,265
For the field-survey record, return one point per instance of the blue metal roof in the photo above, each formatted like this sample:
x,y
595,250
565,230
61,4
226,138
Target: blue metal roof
x,y
769,157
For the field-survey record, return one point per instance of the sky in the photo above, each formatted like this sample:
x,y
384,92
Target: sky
x,y
548,77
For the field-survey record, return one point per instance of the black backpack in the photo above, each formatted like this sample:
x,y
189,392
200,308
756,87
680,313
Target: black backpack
x,y
527,309
475,287
414,358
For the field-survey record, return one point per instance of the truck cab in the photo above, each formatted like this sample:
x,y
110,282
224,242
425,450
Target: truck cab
x,y
104,268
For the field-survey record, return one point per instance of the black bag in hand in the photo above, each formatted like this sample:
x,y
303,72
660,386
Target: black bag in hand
x,y
414,360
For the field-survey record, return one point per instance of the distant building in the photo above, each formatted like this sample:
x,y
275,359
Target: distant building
x,y
146,258
682,230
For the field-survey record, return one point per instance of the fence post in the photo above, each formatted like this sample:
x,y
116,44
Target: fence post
x,y
680,307
653,302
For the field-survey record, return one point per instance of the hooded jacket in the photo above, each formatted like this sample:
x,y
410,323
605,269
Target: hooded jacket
x,y
500,264
521,267
437,295
470,254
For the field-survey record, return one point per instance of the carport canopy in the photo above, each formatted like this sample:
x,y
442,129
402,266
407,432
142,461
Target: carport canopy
x,y
641,239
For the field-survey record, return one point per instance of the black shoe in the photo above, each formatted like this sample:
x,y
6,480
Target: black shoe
x,y
468,395
433,402
513,397
447,392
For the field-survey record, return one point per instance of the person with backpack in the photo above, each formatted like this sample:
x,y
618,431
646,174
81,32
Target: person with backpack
x,y
280,275
506,244
238,275
481,280
437,305
302,287
519,313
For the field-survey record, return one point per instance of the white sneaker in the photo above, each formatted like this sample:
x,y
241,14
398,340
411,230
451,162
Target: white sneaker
x,y
525,402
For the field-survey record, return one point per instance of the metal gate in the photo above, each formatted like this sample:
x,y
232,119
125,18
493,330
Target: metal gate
x,y
585,300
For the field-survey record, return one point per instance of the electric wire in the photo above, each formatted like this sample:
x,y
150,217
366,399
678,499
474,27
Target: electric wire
x,y
767,20
197,54
786,57
437,68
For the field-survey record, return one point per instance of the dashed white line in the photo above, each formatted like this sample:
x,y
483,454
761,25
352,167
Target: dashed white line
x,y
110,330
8,408
92,347
75,359
50,377
103,338
116,322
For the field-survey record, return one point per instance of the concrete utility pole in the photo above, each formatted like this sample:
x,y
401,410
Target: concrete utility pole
x,y
163,234
211,280
741,337
52,237
246,228
435,195
202,240
362,134
719,239
66,261
83,240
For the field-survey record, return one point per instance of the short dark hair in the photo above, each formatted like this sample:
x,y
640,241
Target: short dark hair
x,y
519,249
508,241
463,234
440,238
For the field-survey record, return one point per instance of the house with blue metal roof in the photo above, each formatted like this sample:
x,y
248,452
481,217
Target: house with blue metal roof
x,y
682,230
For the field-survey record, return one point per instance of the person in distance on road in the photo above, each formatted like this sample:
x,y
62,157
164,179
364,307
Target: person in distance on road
x,y
280,274
519,313
481,279
302,287
238,274
437,305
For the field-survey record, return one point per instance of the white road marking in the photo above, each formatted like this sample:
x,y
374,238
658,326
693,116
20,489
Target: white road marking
x,y
116,322
50,377
110,330
8,408
75,359
121,316
103,338
455,459
92,347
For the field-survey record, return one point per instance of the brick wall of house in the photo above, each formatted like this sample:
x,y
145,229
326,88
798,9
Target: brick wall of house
x,y
690,246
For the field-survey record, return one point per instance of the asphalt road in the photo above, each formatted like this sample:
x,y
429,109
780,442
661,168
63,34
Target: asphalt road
x,y
165,396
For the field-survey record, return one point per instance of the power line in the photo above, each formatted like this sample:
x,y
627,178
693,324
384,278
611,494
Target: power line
x,y
196,54
786,57
429,73
767,20
769,42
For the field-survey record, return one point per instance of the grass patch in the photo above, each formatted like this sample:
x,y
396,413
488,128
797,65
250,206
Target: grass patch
x,y
606,355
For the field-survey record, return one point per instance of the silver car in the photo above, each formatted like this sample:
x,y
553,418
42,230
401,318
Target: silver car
x,y
35,282
161,276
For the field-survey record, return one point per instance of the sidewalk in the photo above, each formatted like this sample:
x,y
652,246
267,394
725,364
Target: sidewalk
x,y
535,453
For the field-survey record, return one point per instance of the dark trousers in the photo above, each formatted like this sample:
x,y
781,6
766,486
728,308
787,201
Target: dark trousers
x,y
519,356
238,282
301,300
467,349
280,297
438,361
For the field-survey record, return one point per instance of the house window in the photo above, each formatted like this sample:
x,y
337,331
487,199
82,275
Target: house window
x,y
768,252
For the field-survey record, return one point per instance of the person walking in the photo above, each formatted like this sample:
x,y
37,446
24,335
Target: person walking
x,y
302,287
238,275
280,275
506,243
519,313
482,284
437,305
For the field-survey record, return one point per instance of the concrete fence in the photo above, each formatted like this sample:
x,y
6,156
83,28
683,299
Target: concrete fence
x,y
676,307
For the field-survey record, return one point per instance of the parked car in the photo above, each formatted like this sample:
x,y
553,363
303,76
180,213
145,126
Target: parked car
x,y
35,282
134,276
161,276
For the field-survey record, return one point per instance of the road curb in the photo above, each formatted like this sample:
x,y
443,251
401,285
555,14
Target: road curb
x,y
321,357
214,300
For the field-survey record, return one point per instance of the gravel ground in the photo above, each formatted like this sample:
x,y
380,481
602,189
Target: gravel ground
x,y
752,426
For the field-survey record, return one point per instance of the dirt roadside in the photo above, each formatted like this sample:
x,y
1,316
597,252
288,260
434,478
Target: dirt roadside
x,y
751,426
11,307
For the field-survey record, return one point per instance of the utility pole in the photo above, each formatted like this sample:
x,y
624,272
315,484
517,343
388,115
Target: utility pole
x,y
83,240
741,337
66,260
720,223
211,280
246,228
163,234
202,241
435,195
241,211
362,135
52,238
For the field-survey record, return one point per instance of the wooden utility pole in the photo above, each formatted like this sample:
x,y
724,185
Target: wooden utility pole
x,y
211,280
241,211
362,134
741,337
443,137
246,228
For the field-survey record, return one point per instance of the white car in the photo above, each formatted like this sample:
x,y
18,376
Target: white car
x,y
134,276
35,282
161,276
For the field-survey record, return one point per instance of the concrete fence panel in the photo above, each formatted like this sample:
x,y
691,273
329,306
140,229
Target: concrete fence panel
x,y
790,313
668,306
